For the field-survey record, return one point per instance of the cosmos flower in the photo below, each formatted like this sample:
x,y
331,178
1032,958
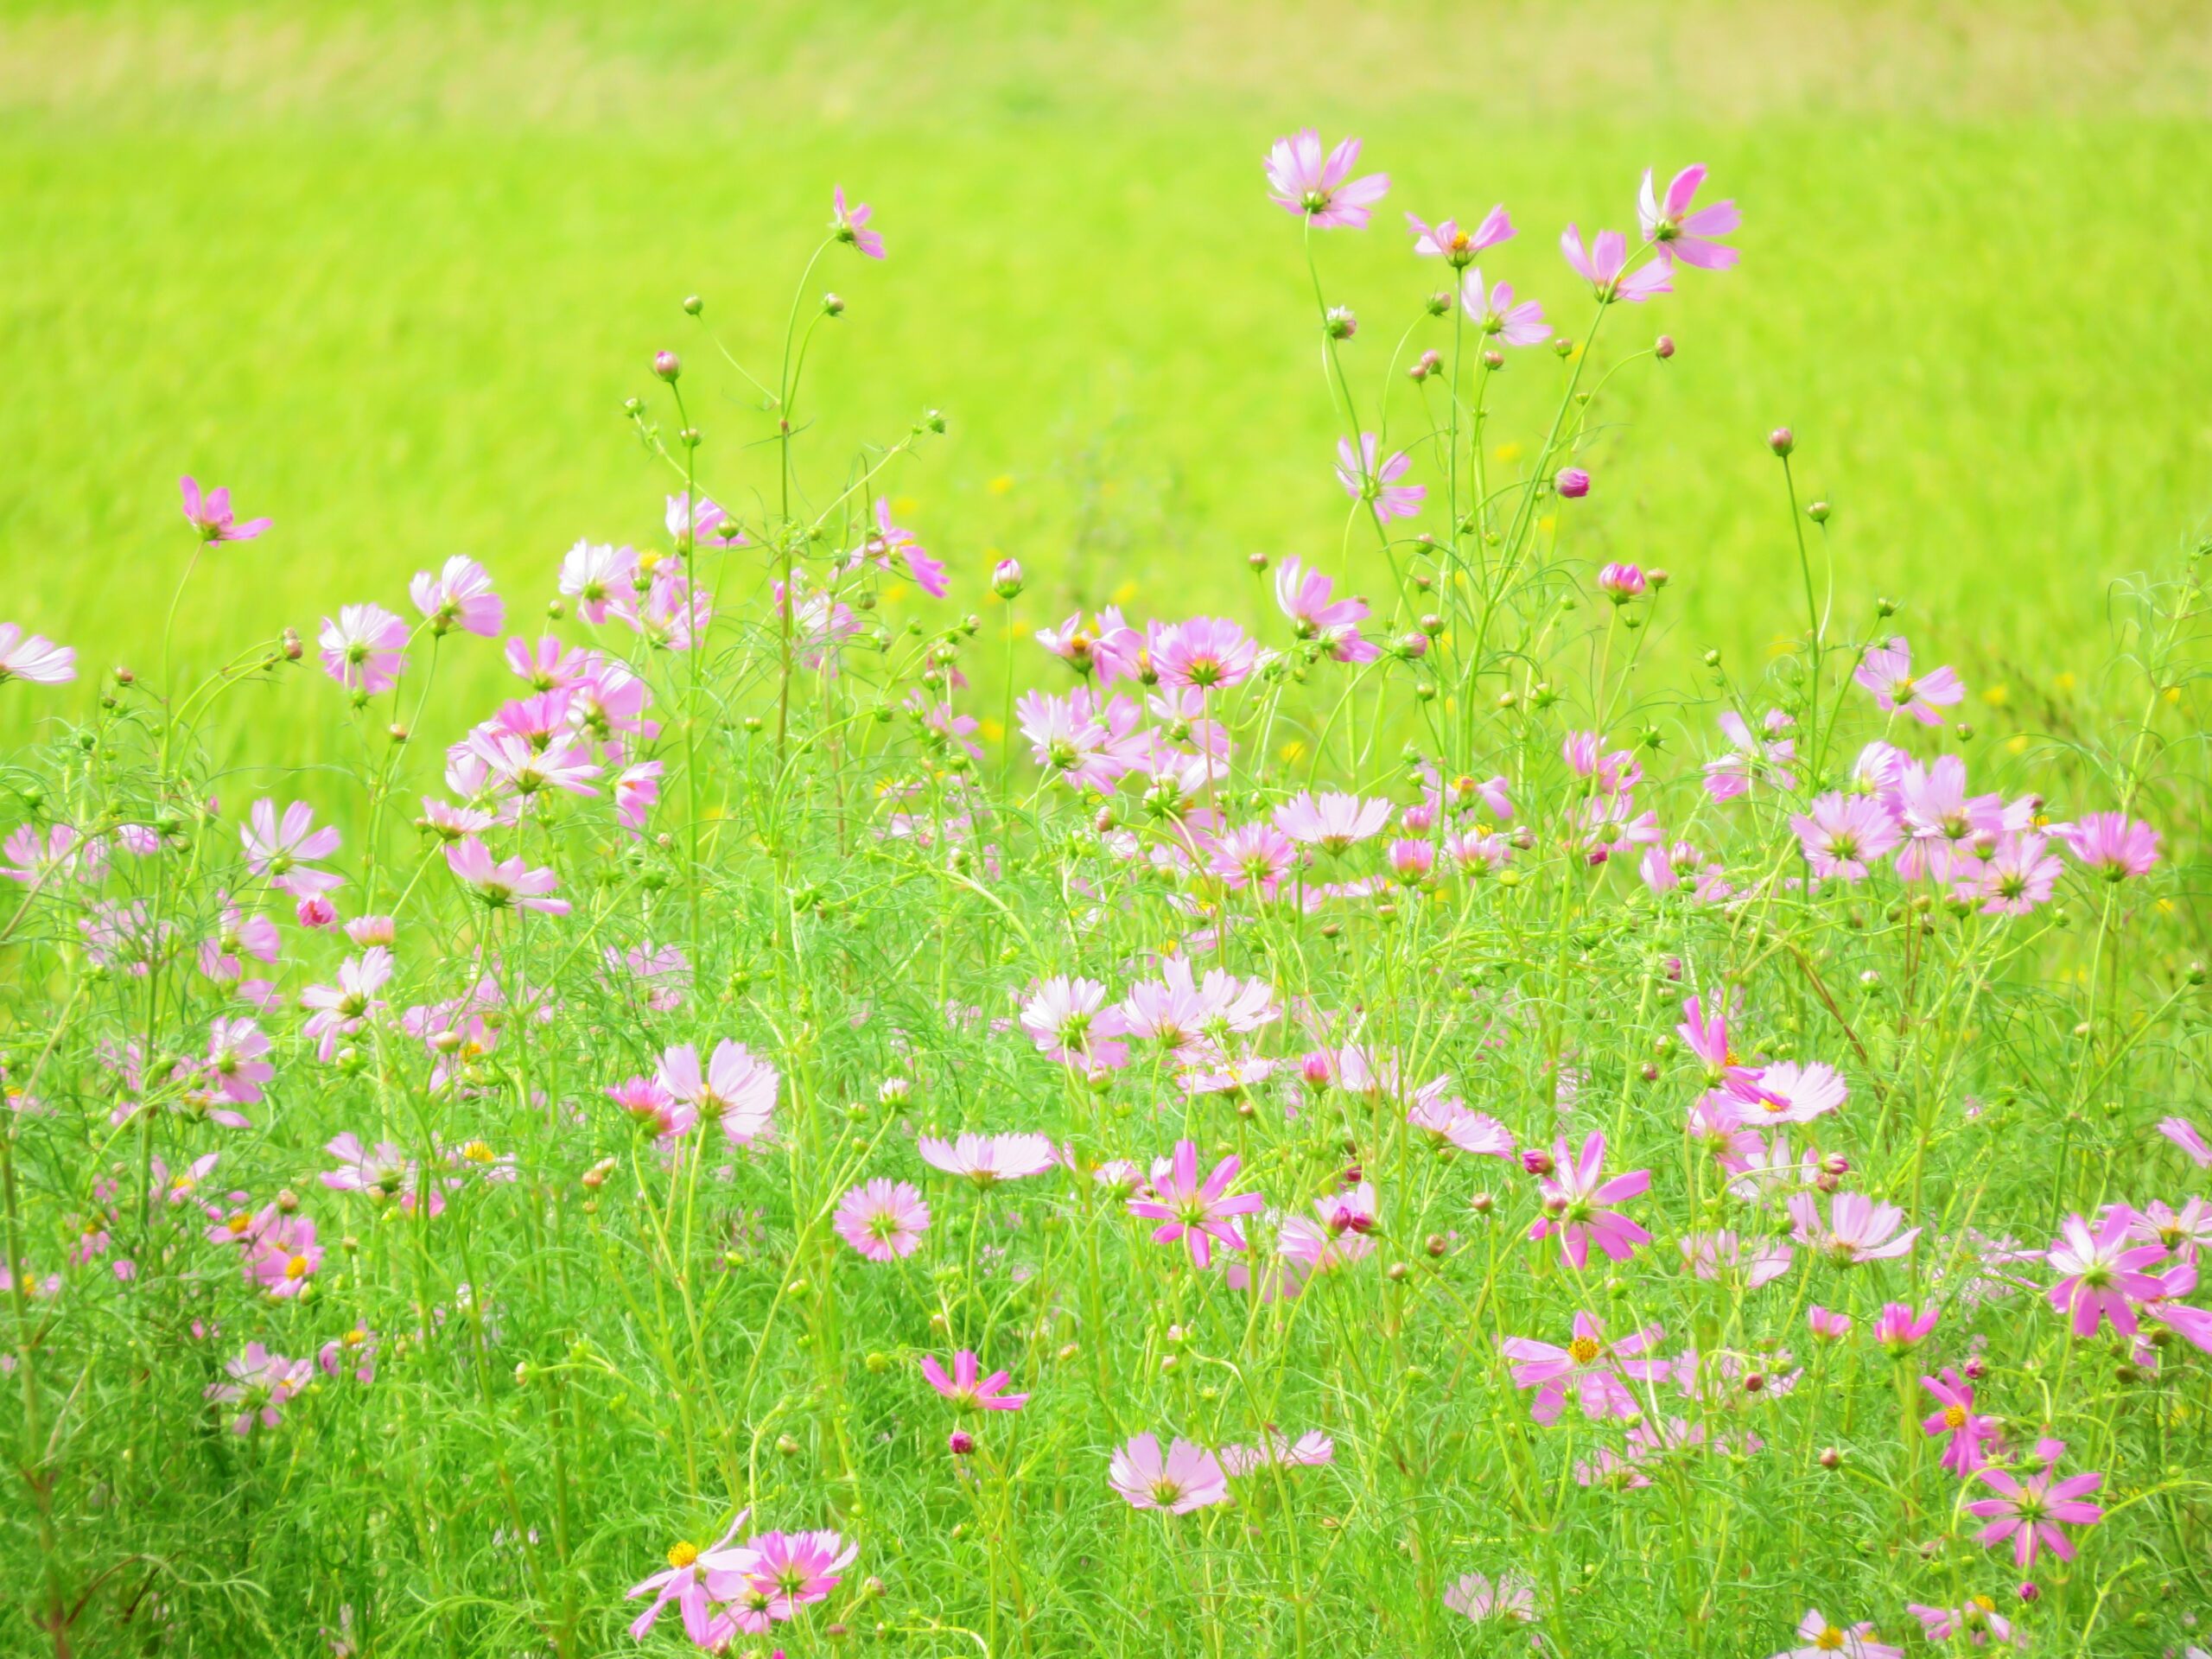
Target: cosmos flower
x,y
1576,1203
987,1159
882,1219
1511,1600
1458,247
1301,179
1494,313
33,657
261,1384
968,1388
1376,482
2113,845
2030,1510
364,650
1843,834
1968,1430
1818,1639
1603,265
1886,672
284,851
459,596
736,1087
2102,1271
683,1582
503,884
593,573
1858,1229
1596,1372
849,225
210,514
1196,1212
1679,232
1188,1477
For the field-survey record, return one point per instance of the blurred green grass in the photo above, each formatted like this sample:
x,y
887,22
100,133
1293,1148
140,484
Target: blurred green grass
x,y
391,274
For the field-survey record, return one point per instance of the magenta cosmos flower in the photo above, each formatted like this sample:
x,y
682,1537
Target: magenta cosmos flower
x,y
1312,1450
1818,1639
459,596
1577,1204
1858,1229
2113,844
1968,1430
736,1088
790,1570
1198,1212
968,1388
849,225
2102,1271
987,1159
34,658
284,850
1603,266
1495,315
2030,1511
683,1582
1301,180
1332,821
1887,673
883,1220
210,514
1598,1373
363,649
1456,246
1377,484
1681,232
1843,833
281,1254
503,884
2190,1139
1976,1619
1188,1477
1898,1329
340,1010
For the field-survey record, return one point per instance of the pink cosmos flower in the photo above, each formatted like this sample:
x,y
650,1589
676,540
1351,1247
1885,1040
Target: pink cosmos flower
x,y
1843,833
708,525
62,852
987,1159
284,851
1188,1477
1312,1450
1251,855
2018,875
1494,313
2103,1273
1887,672
234,1067
891,546
1858,1229
1304,597
1819,1639
503,884
1206,651
1724,1255
736,1087
210,514
671,614
365,649
459,595
1110,647
381,1172
882,1219
791,1570
1976,1619
2113,844
968,1388
260,1384
1752,760
1446,241
1678,233
1787,1092
1198,1212
2190,1139
1576,1203
1511,1600
281,1253
684,1582
1448,1121
341,1010
1366,479
1301,180
357,1349
2030,1511
1596,1372
1829,1327
1333,821
1603,266
1070,1021
1969,1430
1898,1329
34,658
183,1187
591,573
849,225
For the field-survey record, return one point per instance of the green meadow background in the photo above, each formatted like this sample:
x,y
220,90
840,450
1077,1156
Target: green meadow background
x,y
390,271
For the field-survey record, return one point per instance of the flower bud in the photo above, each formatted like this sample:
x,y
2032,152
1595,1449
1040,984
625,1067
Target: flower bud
x,y
2027,1591
833,305
1782,440
693,305
1492,358
960,1443
316,911
667,365
1536,1161
1005,578
1663,347
1342,324
1571,482
1621,583
1830,1457
1819,513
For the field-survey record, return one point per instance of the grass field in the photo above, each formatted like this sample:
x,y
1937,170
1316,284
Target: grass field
x,y
391,279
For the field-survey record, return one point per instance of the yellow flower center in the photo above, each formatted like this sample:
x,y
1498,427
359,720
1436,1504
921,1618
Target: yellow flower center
x,y
1585,1349
477,1153
681,1553
1830,1640
239,1221
297,1267
1954,1416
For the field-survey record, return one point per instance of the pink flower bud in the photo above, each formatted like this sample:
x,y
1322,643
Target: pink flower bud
x,y
1571,482
1005,578
1782,440
667,365
1621,582
316,911
1537,1161
960,1443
